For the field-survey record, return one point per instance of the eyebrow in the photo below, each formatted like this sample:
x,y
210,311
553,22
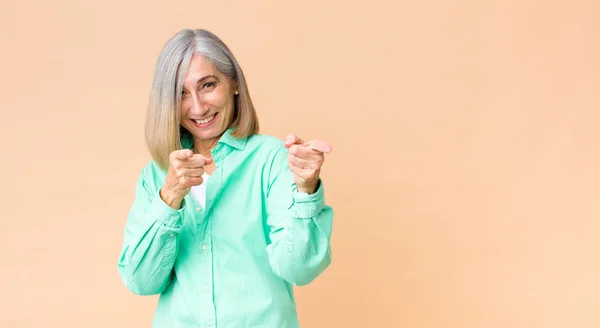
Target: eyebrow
x,y
205,78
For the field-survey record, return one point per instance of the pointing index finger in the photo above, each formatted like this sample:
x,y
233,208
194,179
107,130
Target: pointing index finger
x,y
197,161
320,146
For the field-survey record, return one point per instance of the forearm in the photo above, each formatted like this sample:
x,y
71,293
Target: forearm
x,y
149,248
301,253
300,246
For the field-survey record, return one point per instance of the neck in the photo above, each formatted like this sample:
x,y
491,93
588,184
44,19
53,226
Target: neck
x,y
203,147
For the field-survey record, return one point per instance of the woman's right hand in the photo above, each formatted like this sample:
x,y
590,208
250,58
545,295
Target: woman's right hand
x,y
185,170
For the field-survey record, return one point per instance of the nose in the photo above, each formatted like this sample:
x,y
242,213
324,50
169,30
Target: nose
x,y
199,107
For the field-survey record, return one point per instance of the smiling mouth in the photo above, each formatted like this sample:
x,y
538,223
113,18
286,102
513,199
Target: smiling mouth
x,y
205,121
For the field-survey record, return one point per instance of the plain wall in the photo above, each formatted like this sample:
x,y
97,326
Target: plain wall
x,y
465,172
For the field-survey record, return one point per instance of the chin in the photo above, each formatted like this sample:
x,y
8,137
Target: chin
x,y
207,135
212,132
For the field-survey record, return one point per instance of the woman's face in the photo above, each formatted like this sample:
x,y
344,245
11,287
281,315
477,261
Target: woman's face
x,y
207,100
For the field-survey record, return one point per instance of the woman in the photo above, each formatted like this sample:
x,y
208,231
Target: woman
x,y
225,220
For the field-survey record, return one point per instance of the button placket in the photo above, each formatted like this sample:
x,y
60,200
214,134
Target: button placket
x,y
207,288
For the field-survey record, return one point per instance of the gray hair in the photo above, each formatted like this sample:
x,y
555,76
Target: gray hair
x,y
163,131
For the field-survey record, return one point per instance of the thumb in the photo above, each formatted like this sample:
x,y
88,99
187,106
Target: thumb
x,y
292,139
182,154
200,160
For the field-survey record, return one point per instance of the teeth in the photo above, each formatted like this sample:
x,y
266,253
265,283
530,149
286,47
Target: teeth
x,y
206,120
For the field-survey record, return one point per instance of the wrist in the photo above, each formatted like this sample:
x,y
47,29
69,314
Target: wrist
x,y
171,199
309,189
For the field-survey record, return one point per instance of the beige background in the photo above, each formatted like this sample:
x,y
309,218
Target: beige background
x,y
465,172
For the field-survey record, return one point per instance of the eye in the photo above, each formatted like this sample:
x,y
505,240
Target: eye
x,y
208,86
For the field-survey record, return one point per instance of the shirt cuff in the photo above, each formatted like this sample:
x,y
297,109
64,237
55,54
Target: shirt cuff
x,y
306,205
165,213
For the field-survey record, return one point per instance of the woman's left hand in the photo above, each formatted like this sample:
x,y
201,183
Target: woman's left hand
x,y
305,161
